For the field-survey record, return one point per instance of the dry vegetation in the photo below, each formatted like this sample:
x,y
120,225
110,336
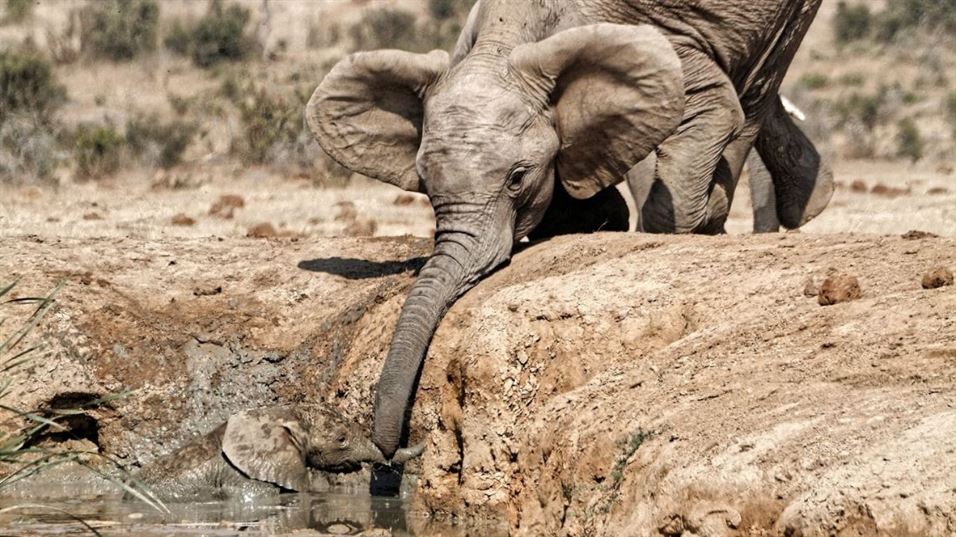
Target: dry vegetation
x,y
161,97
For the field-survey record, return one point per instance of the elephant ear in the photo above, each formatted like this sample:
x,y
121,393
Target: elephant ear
x,y
269,445
367,113
617,92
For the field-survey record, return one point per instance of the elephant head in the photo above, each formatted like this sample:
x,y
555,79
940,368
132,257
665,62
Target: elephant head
x,y
487,139
280,444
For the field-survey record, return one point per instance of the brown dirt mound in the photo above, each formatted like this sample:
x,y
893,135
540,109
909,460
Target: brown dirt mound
x,y
614,384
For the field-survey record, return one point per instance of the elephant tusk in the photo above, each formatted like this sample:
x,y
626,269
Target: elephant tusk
x,y
792,109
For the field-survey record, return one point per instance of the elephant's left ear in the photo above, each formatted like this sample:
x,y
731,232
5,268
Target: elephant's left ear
x,y
269,445
617,93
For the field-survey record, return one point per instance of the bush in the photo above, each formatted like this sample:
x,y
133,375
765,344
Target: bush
x,y
268,121
446,9
97,150
951,109
814,81
179,38
220,35
323,35
909,140
157,142
18,10
903,15
29,151
851,23
28,86
119,29
386,28
867,109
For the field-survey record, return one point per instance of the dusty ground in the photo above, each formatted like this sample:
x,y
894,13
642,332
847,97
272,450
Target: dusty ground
x,y
614,384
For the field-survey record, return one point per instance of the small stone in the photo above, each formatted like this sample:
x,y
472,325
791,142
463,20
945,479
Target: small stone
x,y
937,277
183,220
838,289
226,206
915,234
264,230
858,186
92,216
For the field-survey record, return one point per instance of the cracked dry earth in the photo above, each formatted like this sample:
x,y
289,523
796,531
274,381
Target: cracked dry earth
x,y
612,384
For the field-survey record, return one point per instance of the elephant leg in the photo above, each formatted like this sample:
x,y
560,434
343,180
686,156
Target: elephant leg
x,y
762,196
606,211
697,166
802,180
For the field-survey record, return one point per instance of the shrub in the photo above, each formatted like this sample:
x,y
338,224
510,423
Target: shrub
x,y
386,28
158,142
178,38
902,15
867,109
268,120
814,81
19,10
28,86
909,140
446,9
29,151
951,109
120,29
851,23
323,35
852,80
97,150
220,35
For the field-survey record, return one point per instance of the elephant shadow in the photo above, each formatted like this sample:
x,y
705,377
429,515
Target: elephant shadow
x,y
362,269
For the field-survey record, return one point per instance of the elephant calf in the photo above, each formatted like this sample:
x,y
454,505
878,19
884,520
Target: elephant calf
x,y
265,451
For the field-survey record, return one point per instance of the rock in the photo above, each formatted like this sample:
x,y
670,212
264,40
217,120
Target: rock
x,y
888,191
937,277
182,219
858,186
92,216
937,191
915,234
838,289
225,207
264,230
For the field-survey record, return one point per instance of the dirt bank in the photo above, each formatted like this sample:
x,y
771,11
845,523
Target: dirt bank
x,y
603,385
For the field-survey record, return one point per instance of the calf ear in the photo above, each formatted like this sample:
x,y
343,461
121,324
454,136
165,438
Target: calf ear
x,y
367,113
269,445
617,92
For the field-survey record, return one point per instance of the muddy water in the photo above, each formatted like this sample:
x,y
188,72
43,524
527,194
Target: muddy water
x,y
53,508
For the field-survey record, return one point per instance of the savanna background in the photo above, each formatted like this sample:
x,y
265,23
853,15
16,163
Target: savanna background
x,y
135,117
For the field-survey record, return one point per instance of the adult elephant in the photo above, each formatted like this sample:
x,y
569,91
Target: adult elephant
x,y
793,189
546,95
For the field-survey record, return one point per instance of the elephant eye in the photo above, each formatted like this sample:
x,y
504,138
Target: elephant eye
x,y
516,177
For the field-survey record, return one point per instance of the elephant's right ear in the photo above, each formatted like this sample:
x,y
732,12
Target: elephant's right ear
x,y
617,92
367,113
269,445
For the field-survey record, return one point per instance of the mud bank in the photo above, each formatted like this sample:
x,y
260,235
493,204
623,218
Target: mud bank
x,y
615,384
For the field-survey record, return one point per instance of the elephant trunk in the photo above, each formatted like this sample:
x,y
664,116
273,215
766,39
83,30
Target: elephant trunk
x,y
460,259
